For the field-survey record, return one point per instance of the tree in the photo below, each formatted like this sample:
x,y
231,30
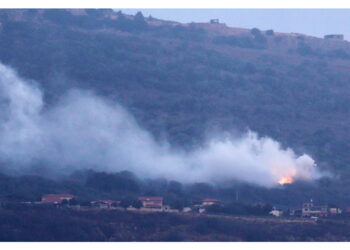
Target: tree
x,y
139,16
73,202
136,204
258,37
64,202
255,32
126,202
139,21
270,33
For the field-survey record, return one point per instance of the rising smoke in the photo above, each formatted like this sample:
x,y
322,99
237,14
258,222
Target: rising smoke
x,y
85,131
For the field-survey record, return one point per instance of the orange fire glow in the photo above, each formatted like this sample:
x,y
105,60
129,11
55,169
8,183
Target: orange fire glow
x,y
286,180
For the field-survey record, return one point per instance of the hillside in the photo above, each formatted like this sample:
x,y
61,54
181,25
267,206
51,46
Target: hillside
x,y
123,226
185,80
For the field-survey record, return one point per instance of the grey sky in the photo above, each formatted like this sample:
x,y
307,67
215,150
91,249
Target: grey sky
x,y
315,22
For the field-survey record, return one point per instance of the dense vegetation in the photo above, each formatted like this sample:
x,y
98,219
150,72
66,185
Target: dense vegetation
x,y
41,223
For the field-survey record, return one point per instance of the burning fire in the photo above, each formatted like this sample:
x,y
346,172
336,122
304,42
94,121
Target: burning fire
x,y
286,180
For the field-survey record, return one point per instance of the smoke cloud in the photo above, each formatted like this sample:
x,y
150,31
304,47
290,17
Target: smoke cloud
x,y
85,131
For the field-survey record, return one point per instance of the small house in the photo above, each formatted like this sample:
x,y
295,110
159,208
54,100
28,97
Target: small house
x,y
334,37
276,212
186,209
151,202
56,198
209,202
335,211
201,210
309,209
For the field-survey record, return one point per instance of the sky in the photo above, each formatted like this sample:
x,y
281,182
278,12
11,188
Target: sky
x,y
314,22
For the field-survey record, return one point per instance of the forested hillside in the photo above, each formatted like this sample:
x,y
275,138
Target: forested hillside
x,y
182,81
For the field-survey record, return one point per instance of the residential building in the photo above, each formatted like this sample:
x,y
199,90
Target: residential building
x,y
201,210
334,211
151,202
276,212
56,198
334,37
186,209
309,209
209,202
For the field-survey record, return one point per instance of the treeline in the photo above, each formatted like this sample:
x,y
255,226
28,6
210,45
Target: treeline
x,y
236,208
238,198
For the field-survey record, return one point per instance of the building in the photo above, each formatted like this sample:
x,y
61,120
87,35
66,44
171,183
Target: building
x,y
334,211
186,209
151,202
209,202
56,198
214,21
201,210
334,37
276,212
309,209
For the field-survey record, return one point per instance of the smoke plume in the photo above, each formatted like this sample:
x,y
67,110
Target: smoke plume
x,y
86,131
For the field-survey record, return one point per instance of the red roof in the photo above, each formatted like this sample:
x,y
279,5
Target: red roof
x,y
56,198
151,198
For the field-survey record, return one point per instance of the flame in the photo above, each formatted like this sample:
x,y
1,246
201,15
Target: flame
x,y
286,180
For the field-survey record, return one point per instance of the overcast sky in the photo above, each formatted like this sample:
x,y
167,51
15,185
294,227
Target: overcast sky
x,y
315,22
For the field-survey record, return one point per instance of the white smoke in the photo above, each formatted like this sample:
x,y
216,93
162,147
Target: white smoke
x,y
86,131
